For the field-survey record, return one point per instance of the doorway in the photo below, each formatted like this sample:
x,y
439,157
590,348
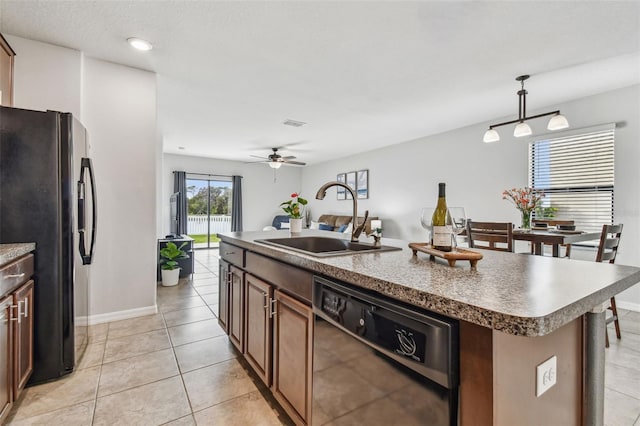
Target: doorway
x,y
208,209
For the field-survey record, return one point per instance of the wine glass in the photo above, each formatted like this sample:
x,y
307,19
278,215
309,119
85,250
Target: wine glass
x,y
458,219
425,220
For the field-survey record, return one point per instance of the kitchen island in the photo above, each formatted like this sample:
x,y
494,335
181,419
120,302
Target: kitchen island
x,y
515,312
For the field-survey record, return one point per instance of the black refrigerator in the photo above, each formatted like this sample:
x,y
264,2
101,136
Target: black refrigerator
x,y
47,196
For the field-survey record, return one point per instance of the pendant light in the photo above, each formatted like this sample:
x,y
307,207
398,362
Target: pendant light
x,y
557,122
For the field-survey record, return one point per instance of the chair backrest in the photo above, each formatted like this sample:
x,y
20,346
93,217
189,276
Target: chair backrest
x,y
491,233
609,241
279,220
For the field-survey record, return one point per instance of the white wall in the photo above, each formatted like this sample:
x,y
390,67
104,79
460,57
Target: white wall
x,y
119,110
117,105
403,178
46,76
261,196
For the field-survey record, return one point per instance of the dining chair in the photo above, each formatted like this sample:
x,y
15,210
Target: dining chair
x,y
491,235
607,250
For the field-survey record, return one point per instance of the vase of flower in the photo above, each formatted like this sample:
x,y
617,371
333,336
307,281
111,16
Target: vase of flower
x,y
526,201
295,209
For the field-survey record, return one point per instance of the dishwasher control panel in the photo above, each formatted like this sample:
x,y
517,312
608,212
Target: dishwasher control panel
x,y
375,322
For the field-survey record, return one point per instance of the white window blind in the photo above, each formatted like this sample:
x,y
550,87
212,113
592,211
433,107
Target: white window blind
x,y
576,173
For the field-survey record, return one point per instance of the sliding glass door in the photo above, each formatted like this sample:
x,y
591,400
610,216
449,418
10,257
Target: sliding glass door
x,y
208,208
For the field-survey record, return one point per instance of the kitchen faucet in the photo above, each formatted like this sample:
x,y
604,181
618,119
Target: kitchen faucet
x,y
356,229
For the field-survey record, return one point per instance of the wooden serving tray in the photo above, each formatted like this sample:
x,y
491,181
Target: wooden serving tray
x,y
449,256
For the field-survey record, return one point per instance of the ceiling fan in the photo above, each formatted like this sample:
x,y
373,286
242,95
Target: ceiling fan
x,y
276,160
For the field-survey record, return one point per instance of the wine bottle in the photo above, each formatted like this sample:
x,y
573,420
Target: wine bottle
x,y
441,228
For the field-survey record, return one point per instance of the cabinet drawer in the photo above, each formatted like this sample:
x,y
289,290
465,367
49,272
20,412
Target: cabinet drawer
x,y
232,254
292,280
15,273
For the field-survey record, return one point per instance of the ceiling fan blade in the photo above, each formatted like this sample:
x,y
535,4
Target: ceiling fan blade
x,y
288,157
295,163
257,156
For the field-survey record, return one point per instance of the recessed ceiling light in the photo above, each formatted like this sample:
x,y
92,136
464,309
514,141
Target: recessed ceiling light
x,y
139,43
181,147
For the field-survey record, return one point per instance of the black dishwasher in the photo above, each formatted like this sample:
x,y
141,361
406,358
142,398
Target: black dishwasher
x,y
379,362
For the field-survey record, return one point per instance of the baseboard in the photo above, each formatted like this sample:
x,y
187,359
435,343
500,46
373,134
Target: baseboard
x,y
118,315
629,306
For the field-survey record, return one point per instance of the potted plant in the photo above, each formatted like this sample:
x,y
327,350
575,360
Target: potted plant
x,y
169,256
294,208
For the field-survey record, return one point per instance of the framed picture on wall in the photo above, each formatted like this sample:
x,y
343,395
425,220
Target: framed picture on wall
x,y
342,193
351,181
362,184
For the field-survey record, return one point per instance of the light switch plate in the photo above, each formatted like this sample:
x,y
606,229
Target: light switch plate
x,y
546,375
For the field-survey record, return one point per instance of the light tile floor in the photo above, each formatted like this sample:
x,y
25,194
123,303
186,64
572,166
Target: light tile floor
x,y
177,367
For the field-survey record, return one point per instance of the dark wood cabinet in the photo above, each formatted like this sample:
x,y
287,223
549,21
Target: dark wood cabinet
x,y
270,321
23,337
292,357
16,329
6,72
259,305
223,295
236,307
6,356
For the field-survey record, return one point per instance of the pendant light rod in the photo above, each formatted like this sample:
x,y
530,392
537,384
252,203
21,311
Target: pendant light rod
x,y
519,120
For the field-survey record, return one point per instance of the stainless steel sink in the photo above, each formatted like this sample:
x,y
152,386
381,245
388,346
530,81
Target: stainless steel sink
x,y
324,246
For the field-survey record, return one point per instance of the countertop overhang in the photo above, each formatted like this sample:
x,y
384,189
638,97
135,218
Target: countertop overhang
x,y
12,251
518,294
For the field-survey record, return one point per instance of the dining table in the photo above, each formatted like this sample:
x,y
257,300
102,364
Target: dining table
x,y
552,237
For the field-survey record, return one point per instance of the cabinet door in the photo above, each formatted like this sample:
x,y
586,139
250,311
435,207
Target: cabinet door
x,y
6,356
23,350
223,296
257,335
292,355
236,308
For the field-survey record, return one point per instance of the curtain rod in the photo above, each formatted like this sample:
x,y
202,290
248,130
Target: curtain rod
x,y
206,174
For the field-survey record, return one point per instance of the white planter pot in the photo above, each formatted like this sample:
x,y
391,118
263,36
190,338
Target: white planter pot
x,y
295,225
170,277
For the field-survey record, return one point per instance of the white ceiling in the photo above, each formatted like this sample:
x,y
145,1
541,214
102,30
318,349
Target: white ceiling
x,y
363,74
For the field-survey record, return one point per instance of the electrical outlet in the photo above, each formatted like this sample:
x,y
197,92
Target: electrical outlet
x,y
546,375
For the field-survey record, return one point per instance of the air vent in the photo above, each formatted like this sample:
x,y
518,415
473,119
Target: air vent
x,y
293,123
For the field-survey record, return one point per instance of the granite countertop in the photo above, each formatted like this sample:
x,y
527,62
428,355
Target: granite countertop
x,y
10,252
519,294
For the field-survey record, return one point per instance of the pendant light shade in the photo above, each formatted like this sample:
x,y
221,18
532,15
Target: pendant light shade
x,y
491,136
275,164
558,122
522,129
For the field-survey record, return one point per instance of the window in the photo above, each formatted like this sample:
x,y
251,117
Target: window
x,y
576,173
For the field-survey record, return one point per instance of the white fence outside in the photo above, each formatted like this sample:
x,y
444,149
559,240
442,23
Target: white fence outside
x,y
197,224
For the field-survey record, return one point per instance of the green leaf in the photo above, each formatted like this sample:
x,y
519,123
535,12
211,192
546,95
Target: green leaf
x,y
302,201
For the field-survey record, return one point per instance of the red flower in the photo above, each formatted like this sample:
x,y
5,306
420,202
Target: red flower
x,y
294,195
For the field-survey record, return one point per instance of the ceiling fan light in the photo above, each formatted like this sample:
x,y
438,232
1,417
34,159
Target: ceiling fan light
x,y
558,122
522,129
275,164
491,136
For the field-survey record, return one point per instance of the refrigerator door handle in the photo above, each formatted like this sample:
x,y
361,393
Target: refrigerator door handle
x,y
86,166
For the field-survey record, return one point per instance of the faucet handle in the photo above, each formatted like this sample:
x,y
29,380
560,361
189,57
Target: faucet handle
x,y
366,216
